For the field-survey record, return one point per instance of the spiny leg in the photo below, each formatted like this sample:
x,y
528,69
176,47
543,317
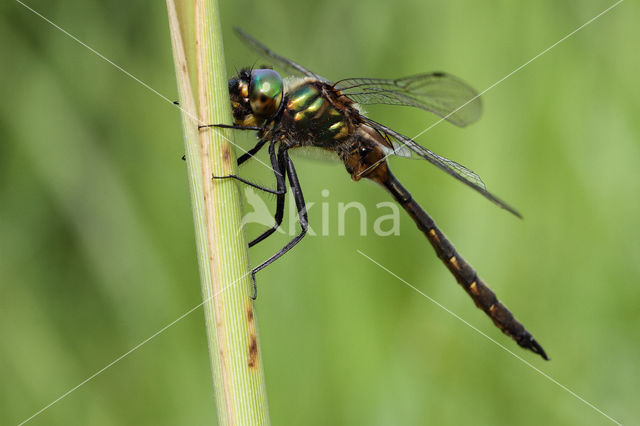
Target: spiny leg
x,y
229,126
249,154
251,184
253,151
302,217
279,164
278,167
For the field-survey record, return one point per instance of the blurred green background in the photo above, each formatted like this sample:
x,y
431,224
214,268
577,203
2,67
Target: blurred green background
x,y
97,247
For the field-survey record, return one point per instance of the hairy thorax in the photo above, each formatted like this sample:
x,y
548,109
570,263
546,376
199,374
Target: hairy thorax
x,y
316,114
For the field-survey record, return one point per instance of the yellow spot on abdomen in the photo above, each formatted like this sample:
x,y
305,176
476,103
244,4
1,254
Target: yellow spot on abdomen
x,y
474,287
454,262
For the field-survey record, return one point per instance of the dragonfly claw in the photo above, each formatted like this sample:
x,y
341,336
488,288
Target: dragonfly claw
x,y
254,296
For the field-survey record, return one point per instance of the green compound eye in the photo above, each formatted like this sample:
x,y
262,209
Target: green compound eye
x,y
265,92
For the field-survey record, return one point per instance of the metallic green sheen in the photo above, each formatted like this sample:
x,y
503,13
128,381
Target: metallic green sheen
x,y
301,97
266,82
304,105
311,110
316,105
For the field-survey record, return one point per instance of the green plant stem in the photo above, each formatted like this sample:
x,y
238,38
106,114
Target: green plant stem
x,y
221,244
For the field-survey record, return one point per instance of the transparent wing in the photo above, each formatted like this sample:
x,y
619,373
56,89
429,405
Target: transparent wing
x,y
436,92
315,153
274,57
452,168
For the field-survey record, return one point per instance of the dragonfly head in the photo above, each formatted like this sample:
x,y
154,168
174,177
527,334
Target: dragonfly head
x,y
256,96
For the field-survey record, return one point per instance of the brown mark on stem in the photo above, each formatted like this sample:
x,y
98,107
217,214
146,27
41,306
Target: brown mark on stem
x,y
253,352
253,339
250,313
226,155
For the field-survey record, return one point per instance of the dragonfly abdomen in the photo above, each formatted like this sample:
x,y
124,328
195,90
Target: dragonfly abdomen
x,y
466,276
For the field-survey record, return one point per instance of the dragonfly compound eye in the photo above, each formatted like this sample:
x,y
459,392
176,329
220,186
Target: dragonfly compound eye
x,y
265,92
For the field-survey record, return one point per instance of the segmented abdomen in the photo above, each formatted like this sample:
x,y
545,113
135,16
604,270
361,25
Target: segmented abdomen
x,y
466,276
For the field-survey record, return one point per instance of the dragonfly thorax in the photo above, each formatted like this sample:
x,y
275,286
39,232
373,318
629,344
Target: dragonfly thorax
x,y
316,114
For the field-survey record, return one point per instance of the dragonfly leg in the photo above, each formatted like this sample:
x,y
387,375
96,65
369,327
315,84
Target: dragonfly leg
x,y
253,151
249,154
229,126
302,218
251,184
278,163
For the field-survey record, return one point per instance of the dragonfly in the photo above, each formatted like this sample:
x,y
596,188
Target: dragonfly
x,y
309,111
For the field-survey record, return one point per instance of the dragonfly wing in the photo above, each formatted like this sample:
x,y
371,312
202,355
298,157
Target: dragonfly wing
x,y
391,147
315,153
452,168
273,56
436,92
